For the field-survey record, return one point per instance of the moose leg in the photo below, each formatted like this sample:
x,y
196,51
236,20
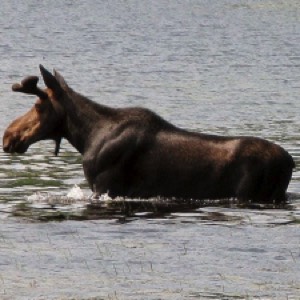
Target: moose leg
x,y
107,171
249,186
276,182
264,183
109,181
246,189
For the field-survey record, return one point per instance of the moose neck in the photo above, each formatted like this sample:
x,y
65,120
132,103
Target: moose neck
x,y
81,117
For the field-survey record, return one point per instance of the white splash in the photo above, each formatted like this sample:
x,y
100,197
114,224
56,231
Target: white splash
x,y
100,198
37,197
76,193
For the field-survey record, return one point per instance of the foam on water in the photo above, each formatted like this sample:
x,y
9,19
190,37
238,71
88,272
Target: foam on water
x,y
76,193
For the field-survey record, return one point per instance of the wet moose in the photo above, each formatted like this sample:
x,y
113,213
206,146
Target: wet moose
x,y
133,152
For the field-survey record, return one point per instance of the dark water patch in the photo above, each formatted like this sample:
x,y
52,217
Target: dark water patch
x,y
252,250
216,296
50,207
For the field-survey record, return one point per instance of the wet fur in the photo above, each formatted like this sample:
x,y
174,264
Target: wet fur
x,y
134,152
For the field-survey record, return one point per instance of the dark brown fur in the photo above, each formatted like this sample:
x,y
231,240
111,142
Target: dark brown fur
x,y
133,152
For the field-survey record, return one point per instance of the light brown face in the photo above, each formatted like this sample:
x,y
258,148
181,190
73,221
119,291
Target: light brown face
x,y
39,123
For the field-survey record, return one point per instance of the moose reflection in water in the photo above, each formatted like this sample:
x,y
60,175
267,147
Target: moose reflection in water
x,y
133,152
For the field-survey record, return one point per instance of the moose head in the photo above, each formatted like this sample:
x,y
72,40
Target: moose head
x,y
42,121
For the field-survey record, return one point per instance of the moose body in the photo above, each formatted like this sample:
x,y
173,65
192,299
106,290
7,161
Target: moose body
x,y
133,152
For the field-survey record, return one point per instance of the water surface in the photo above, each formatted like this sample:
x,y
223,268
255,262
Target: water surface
x,y
222,67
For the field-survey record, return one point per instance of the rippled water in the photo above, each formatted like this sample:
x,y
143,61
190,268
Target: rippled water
x,y
222,67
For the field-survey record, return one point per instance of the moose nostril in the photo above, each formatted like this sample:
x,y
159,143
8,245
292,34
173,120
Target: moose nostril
x,y
6,148
7,143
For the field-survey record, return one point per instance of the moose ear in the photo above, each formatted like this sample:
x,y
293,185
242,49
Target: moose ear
x,y
50,81
61,80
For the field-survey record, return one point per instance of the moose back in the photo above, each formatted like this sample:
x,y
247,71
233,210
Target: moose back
x,y
133,152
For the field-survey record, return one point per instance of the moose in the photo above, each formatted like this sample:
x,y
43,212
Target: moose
x,y
133,152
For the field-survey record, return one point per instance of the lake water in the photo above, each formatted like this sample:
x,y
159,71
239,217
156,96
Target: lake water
x,y
224,67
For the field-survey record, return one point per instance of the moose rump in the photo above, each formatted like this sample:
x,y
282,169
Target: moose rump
x,y
134,152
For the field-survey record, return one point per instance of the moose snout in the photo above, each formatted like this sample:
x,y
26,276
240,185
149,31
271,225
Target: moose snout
x,y
8,142
12,143
6,148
